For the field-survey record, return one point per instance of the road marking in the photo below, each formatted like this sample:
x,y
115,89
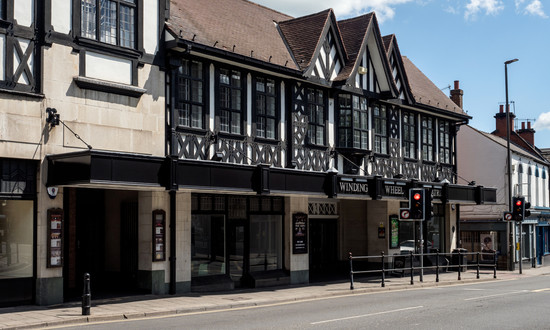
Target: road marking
x,y
541,290
495,295
366,315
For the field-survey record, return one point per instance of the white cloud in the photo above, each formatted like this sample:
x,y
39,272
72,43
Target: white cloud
x,y
490,7
385,9
535,8
543,122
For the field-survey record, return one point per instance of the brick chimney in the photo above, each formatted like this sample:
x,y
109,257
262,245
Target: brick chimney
x,y
528,134
456,94
501,122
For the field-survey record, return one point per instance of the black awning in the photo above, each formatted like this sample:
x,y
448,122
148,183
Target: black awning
x,y
101,167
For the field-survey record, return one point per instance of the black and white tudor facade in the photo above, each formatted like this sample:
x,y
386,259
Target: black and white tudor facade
x,y
211,145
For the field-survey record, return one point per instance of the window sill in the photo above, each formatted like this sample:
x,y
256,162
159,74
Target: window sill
x,y
111,49
108,87
21,93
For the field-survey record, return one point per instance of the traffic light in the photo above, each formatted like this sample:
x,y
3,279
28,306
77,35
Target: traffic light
x,y
417,203
526,211
518,208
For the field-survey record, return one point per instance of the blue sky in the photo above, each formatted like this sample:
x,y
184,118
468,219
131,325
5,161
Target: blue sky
x,y
469,41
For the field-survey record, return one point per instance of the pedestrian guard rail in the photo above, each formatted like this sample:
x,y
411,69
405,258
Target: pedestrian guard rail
x,y
409,263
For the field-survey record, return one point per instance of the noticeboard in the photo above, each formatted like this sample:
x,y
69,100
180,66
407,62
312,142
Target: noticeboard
x,y
299,233
159,235
55,238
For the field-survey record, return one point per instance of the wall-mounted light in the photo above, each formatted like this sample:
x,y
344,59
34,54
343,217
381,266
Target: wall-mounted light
x,y
362,70
53,117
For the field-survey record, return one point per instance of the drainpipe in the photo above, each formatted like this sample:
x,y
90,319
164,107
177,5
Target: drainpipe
x,y
172,241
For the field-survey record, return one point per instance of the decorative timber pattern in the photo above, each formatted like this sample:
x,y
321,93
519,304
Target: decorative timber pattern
x,y
316,209
327,65
410,169
428,172
304,158
267,154
191,146
232,151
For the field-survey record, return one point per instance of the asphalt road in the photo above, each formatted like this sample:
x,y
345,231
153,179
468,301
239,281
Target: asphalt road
x,y
515,304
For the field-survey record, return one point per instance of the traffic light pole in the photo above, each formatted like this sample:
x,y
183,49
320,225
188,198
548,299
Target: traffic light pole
x,y
520,238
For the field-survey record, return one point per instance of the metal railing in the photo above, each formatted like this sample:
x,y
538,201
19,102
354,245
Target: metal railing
x,y
411,258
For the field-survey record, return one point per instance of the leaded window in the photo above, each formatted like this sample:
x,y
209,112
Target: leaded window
x,y
230,101
380,129
427,139
353,122
266,107
190,94
409,135
316,113
444,142
116,20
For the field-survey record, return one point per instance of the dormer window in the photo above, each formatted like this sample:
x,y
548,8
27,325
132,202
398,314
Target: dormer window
x,y
109,21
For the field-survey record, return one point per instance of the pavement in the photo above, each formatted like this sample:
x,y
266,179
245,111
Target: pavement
x,y
148,306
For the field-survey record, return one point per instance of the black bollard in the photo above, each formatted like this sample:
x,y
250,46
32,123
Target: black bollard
x,y
86,295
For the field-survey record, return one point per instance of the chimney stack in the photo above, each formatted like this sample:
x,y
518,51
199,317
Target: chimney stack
x,y
528,134
501,122
456,94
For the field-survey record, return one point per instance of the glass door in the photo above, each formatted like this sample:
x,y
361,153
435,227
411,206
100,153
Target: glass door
x,y
236,251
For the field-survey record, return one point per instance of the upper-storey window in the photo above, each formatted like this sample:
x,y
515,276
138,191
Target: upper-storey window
x,y
380,129
427,139
409,135
316,113
190,102
231,101
109,21
266,110
353,122
444,142
2,9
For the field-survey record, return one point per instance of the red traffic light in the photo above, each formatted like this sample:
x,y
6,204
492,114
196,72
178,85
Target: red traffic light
x,y
417,196
519,202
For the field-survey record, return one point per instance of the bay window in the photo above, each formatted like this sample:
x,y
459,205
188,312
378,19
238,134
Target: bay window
x,y
230,101
353,122
380,129
427,139
316,112
266,107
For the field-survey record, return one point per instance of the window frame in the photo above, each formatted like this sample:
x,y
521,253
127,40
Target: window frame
x,y
427,140
348,128
445,141
136,5
380,129
320,126
204,104
220,109
255,113
409,135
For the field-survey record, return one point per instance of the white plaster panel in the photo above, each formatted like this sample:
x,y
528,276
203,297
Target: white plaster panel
x,y
61,15
23,12
150,26
108,68
2,57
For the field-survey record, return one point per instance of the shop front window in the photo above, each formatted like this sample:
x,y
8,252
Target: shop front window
x,y
16,239
266,242
207,245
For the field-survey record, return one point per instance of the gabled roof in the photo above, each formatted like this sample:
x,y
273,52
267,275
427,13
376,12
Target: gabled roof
x,y
533,153
354,34
357,33
391,46
426,93
236,26
305,35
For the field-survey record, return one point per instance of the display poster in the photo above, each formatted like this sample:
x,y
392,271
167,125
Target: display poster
x,y
55,238
299,235
159,235
394,223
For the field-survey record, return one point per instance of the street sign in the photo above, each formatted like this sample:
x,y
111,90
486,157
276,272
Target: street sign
x,y
507,216
404,214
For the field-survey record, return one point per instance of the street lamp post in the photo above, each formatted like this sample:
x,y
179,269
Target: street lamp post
x,y
510,227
